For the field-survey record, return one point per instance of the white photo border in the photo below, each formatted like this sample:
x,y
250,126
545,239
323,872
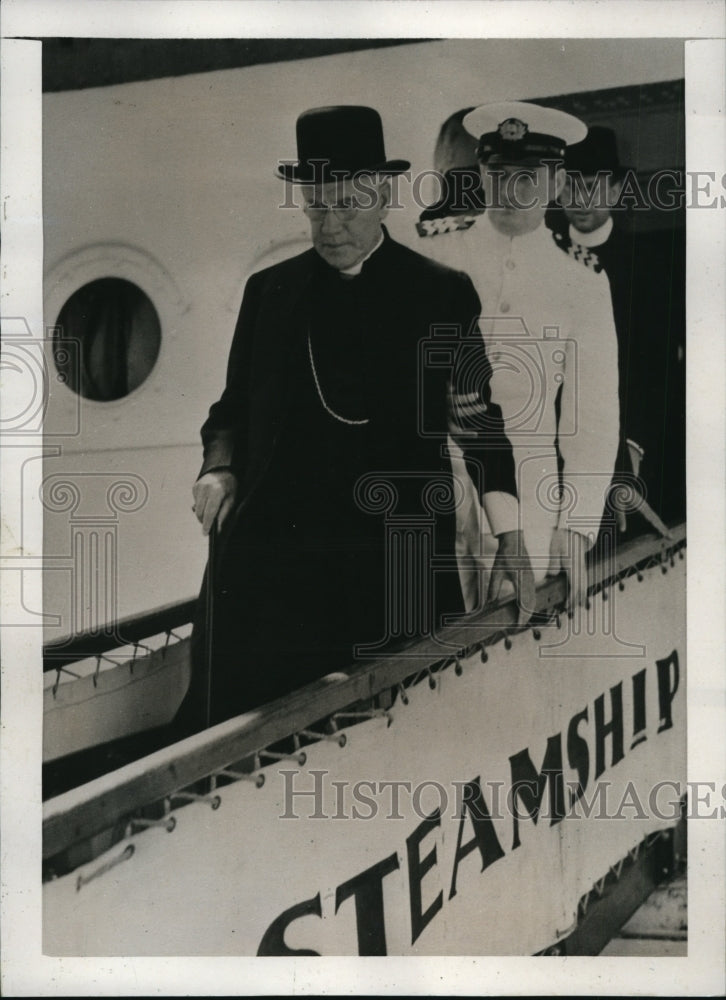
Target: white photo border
x,y
25,971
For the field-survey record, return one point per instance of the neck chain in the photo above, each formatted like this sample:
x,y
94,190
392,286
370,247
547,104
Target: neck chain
x,y
343,420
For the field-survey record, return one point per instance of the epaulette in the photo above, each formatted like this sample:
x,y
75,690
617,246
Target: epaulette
x,y
446,224
579,253
461,203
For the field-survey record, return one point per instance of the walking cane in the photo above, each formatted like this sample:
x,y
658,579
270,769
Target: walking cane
x,y
209,626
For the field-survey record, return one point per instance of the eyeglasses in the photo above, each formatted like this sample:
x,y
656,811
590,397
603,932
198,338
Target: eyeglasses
x,y
344,211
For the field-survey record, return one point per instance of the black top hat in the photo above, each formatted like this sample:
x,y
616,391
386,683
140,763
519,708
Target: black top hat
x,y
598,152
338,142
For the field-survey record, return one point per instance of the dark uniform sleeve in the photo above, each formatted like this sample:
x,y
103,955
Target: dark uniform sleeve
x,y
475,419
225,431
657,405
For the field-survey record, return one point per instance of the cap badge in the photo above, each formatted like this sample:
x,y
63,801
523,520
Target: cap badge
x,y
512,129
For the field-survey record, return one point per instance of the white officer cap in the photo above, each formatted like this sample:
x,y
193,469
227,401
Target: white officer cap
x,y
521,132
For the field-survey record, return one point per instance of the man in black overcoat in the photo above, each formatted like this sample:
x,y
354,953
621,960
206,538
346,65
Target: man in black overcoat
x,y
325,462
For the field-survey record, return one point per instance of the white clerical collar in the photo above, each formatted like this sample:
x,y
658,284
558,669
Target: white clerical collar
x,y
357,268
596,237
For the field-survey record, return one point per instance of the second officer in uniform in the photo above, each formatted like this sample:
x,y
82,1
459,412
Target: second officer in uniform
x,y
549,330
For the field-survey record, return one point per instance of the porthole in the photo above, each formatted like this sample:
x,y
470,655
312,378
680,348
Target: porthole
x,y
116,332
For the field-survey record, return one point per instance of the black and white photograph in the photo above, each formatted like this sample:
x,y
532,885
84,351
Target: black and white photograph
x,y
362,371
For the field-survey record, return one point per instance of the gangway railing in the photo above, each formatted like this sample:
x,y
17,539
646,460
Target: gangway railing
x,y
313,712
125,632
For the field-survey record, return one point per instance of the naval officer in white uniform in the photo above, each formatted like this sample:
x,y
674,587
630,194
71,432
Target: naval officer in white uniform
x,y
548,325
